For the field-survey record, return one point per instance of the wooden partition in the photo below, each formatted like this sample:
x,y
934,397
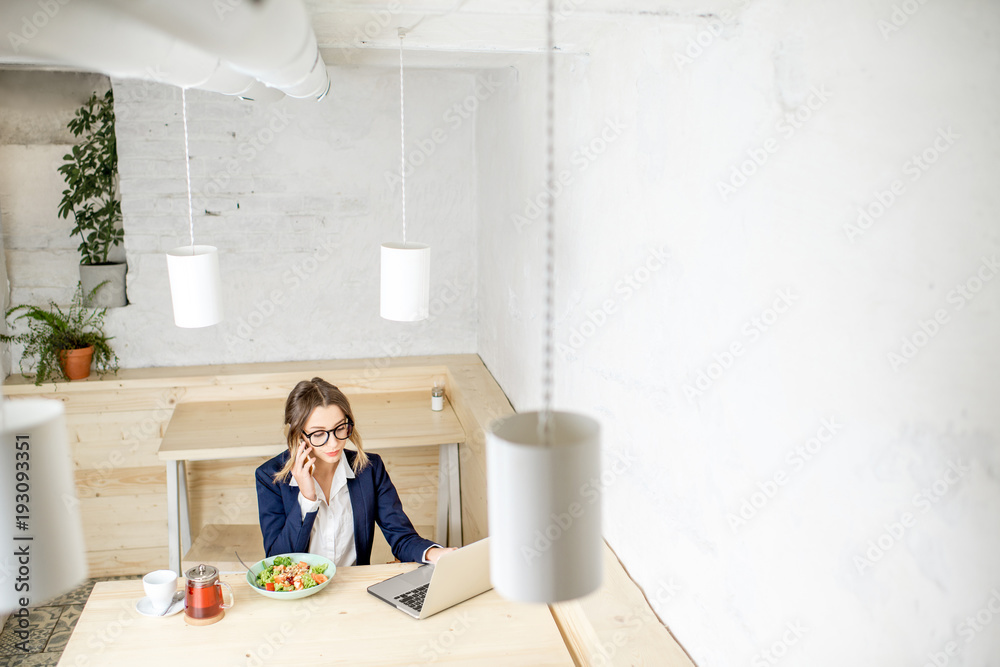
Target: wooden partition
x,y
115,425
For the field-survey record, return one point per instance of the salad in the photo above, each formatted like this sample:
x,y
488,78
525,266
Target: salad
x,y
284,575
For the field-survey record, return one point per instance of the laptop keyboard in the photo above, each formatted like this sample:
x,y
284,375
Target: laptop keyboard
x,y
414,599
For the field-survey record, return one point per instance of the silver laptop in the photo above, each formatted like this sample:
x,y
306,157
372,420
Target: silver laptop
x,y
457,576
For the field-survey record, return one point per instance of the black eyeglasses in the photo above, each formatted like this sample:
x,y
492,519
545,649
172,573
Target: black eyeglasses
x,y
340,432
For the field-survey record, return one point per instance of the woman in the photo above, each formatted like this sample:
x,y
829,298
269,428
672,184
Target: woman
x,y
310,501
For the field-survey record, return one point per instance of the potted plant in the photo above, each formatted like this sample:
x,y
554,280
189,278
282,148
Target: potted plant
x,y
91,174
62,344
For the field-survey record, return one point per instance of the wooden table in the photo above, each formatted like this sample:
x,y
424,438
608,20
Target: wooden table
x,y
341,625
201,431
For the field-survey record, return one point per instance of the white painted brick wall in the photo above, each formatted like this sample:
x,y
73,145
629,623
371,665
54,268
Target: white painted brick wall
x,y
40,258
271,184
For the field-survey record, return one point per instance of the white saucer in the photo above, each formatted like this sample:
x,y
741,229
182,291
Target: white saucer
x,y
145,607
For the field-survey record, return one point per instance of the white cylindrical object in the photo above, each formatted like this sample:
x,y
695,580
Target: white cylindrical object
x,y
544,507
258,92
195,285
406,281
43,553
179,42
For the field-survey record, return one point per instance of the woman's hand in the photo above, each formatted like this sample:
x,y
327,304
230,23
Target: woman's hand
x,y
436,552
302,471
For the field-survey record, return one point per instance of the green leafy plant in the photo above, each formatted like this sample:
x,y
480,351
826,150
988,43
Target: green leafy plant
x,y
90,171
52,330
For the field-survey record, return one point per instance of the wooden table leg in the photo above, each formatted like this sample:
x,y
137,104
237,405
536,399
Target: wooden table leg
x,y
454,497
441,531
183,512
173,518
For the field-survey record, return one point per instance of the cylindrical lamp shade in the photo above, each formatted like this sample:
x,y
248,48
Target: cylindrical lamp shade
x,y
43,553
195,286
544,507
406,281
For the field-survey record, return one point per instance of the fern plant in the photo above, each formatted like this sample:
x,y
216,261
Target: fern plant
x,y
90,171
52,330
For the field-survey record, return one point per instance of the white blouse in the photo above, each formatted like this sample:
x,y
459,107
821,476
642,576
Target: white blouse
x,y
333,531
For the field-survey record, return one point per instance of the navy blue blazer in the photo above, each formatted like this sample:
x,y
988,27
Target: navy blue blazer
x,y
373,500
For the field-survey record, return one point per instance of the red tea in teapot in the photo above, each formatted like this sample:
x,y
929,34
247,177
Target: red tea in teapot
x,y
204,603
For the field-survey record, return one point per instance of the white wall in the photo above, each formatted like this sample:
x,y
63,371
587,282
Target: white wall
x,y
297,197
34,110
729,587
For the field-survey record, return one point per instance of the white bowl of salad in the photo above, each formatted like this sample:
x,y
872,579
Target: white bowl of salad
x,y
291,576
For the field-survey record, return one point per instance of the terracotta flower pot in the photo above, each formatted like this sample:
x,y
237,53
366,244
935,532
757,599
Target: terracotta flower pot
x,y
76,363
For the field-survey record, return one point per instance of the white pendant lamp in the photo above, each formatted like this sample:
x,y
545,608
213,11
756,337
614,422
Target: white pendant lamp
x,y
195,281
544,502
43,553
405,281
544,507
404,295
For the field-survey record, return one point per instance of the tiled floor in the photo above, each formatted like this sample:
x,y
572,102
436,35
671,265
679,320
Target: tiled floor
x,y
49,628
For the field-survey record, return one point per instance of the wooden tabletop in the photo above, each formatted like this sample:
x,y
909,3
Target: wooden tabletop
x,y
341,625
252,427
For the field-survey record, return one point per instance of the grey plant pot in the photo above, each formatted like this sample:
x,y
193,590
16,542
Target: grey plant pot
x,y
111,295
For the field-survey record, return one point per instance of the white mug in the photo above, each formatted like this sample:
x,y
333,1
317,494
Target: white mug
x,y
160,586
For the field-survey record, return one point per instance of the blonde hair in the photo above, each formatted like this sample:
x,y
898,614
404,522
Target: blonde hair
x,y
303,399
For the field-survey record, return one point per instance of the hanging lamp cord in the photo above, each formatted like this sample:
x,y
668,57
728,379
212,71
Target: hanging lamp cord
x,y
187,164
545,419
402,132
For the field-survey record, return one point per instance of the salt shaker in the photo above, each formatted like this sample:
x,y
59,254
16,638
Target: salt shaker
x,y
437,398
